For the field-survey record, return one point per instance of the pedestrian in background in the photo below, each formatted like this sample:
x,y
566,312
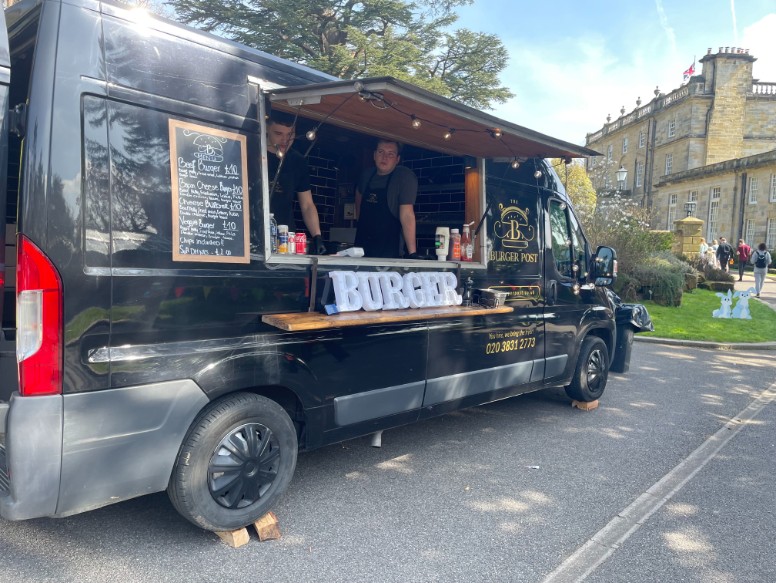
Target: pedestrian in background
x,y
744,251
703,249
724,253
761,259
714,247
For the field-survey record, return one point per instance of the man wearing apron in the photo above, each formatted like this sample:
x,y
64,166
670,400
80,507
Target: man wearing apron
x,y
385,196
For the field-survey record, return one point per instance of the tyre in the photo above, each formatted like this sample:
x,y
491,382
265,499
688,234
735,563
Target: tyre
x,y
591,372
237,459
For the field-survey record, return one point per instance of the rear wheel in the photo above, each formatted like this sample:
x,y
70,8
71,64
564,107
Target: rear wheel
x,y
237,459
592,371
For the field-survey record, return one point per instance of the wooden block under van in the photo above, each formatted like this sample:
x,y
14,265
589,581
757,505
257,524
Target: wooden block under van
x,y
267,527
234,538
585,406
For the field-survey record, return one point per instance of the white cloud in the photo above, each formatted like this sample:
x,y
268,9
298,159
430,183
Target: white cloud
x,y
664,24
758,38
569,93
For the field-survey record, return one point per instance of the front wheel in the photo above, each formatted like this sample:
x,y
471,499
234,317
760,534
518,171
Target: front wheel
x,y
592,371
237,459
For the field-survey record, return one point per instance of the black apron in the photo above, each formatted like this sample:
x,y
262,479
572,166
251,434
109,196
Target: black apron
x,y
378,230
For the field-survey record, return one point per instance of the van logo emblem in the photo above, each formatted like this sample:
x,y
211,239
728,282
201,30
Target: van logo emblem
x,y
513,229
209,148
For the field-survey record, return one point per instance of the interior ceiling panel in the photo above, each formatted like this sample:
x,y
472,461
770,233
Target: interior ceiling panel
x,y
386,107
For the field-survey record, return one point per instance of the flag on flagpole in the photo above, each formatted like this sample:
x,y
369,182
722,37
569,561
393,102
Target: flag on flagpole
x,y
688,73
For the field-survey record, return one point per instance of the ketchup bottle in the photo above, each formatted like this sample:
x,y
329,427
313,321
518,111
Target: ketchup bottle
x,y
467,248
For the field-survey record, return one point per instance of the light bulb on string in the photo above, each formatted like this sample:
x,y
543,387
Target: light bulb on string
x,y
311,135
415,122
448,134
538,174
496,133
515,164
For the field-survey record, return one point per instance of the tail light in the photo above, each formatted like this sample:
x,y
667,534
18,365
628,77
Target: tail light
x,y
39,327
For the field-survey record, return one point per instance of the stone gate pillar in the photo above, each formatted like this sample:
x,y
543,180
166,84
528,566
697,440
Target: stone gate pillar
x,y
688,233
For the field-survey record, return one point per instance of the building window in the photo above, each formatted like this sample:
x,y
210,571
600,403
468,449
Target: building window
x,y
609,153
749,232
770,234
671,128
642,139
693,196
773,188
639,172
671,210
711,227
753,188
669,163
625,145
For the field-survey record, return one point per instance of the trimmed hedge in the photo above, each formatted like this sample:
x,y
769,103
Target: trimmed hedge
x,y
661,277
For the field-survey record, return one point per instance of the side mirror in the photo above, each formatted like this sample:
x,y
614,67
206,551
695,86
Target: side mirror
x,y
604,270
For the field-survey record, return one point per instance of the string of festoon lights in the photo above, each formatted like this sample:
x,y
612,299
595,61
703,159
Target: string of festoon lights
x,y
378,101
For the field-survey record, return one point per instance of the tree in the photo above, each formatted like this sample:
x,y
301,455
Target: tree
x,y
351,39
578,186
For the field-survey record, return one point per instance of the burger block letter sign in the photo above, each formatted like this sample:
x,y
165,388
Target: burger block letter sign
x,y
391,291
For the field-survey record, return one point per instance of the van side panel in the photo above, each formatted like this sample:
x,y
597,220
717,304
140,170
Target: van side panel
x,y
131,450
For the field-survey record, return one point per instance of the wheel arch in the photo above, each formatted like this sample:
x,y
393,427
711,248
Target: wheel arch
x,y
605,334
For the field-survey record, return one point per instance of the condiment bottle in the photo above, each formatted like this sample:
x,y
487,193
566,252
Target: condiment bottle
x,y
455,245
467,247
442,242
282,239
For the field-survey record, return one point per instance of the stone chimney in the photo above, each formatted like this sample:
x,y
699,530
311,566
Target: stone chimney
x,y
728,77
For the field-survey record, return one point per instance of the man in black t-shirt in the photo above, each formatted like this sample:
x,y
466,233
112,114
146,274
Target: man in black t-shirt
x,y
293,178
724,253
385,198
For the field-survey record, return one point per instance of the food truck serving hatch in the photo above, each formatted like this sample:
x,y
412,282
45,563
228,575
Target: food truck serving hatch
x,y
400,111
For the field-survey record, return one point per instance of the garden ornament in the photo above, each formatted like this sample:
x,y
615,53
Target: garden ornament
x,y
742,305
724,310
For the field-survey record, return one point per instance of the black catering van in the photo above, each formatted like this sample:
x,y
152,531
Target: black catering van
x,y
152,340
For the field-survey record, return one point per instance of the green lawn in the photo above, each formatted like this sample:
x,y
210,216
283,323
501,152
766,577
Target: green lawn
x,y
693,320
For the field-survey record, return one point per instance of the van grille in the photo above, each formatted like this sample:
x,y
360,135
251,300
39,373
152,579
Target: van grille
x,y
4,482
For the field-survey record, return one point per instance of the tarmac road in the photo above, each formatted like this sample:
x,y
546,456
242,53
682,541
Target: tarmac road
x,y
670,479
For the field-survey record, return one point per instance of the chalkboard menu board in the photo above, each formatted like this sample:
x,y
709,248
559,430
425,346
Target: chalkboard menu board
x,y
209,194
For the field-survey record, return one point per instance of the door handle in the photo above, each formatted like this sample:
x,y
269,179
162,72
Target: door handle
x,y
552,292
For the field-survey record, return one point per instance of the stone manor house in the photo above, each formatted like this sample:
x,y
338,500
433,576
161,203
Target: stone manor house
x,y
706,149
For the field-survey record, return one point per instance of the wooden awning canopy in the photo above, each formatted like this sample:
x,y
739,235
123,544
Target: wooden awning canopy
x,y
387,107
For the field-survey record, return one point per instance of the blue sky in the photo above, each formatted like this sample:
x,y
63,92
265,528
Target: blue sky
x,y
572,63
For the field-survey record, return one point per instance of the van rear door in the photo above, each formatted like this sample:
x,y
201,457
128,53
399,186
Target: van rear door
x,y
5,83
7,340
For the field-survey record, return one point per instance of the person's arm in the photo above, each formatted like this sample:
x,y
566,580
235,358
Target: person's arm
x,y
407,219
309,213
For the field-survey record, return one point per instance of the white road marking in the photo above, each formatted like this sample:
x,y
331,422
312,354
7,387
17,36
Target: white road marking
x,y
607,540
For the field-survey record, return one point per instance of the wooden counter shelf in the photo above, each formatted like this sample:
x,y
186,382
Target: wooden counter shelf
x,y
301,321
